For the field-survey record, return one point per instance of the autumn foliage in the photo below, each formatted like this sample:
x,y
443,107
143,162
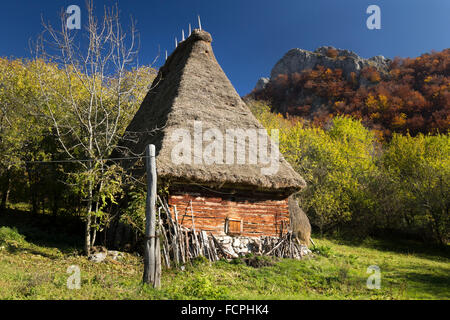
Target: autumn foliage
x,y
358,186
413,96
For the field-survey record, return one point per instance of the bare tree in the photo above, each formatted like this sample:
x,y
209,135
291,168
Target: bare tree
x,y
93,100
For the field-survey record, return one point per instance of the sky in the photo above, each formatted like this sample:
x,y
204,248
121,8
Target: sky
x,y
250,36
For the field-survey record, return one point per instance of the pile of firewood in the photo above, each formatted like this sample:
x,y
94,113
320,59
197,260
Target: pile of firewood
x,y
287,246
180,244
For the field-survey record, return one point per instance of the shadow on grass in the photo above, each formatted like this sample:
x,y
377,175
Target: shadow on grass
x,y
64,233
435,282
23,249
396,244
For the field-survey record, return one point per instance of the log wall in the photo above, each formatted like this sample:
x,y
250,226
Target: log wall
x,y
261,214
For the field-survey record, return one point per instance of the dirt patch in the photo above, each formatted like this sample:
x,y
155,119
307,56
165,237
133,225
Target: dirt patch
x,y
259,261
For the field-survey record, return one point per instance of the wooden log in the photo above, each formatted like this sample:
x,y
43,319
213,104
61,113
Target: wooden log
x,y
197,246
157,281
166,258
176,254
165,207
219,246
166,245
150,217
205,244
202,244
180,235
276,247
186,238
213,248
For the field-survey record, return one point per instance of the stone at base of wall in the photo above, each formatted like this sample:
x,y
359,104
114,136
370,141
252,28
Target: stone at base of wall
x,y
239,246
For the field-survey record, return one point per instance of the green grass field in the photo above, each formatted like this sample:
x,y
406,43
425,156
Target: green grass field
x,y
34,269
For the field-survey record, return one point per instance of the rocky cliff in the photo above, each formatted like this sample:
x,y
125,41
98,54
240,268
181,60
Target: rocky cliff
x,y
297,60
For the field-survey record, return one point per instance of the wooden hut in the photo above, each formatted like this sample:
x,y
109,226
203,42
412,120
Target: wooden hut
x,y
226,197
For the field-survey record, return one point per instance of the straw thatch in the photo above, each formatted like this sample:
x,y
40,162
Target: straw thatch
x,y
192,86
301,228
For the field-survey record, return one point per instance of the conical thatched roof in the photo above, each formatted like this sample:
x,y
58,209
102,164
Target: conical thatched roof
x,y
192,86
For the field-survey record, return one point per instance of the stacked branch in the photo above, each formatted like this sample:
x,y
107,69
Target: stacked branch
x,y
287,246
180,245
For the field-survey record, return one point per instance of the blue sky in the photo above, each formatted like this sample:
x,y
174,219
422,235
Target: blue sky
x,y
250,36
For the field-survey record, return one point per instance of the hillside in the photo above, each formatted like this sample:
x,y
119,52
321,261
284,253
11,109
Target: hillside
x,y
401,95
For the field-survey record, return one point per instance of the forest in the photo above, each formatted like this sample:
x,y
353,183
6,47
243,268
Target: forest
x,y
413,96
359,185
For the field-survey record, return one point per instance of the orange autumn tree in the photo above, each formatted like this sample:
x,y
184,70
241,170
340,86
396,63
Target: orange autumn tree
x,y
413,97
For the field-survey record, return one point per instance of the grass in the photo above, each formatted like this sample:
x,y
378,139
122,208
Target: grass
x,y
33,269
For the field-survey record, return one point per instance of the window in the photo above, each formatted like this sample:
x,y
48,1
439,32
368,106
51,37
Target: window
x,y
233,226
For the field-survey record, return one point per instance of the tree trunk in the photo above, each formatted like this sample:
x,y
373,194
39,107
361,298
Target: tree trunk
x,y
6,189
94,232
87,231
87,235
34,198
55,203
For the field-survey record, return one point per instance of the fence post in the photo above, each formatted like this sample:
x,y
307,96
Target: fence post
x,y
151,272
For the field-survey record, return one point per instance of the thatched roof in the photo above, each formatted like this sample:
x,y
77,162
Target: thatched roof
x,y
192,86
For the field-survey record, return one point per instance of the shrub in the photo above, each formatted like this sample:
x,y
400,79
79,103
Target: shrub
x,y
419,171
202,287
322,250
10,234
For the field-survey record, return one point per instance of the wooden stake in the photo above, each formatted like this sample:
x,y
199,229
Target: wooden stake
x,y
165,241
176,253
150,218
199,23
157,281
219,246
193,228
180,235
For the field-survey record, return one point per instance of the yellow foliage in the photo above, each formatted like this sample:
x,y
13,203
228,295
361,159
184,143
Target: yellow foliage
x,y
378,105
399,120
375,115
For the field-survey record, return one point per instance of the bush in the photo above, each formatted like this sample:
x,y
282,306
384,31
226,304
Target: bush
x,y
199,261
419,171
10,235
134,213
202,287
11,239
322,250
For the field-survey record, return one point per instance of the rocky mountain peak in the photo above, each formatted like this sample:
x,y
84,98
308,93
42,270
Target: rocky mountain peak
x,y
297,60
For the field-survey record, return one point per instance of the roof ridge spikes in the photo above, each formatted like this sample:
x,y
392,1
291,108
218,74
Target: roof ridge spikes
x,y
200,35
